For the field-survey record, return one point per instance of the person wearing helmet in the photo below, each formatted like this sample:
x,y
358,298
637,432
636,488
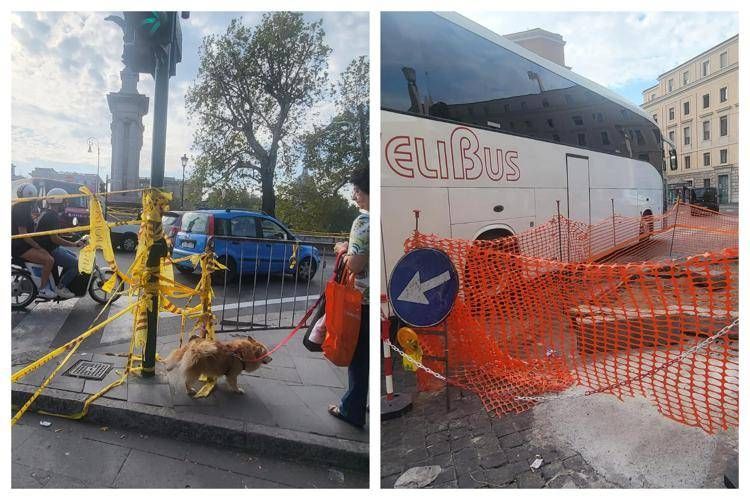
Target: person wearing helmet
x,y
27,248
55,245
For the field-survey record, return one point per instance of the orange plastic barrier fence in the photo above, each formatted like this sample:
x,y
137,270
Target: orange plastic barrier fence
x,y
528,323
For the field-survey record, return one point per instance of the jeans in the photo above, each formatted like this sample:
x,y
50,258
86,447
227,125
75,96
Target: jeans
x,y
69,262
354,403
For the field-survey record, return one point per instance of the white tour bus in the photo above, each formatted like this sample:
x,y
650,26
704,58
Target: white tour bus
x,y
484,138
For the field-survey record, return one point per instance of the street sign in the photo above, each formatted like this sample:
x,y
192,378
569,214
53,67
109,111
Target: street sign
x,y
423,287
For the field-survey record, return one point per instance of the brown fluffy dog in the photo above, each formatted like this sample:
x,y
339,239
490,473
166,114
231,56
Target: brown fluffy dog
x,y
214,359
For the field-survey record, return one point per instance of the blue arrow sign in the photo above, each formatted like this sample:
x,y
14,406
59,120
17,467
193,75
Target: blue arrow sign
x,y
423,287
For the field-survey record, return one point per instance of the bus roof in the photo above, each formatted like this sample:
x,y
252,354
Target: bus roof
x,y
562,71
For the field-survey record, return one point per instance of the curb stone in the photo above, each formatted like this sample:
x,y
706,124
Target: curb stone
x,y
204,429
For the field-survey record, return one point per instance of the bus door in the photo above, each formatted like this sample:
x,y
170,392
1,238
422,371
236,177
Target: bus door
x,y
579,202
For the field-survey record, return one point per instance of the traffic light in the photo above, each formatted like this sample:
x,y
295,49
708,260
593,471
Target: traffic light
x,y
149,37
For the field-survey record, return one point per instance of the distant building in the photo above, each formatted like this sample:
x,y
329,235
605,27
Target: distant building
x,y
89,180
171,184
550,46
696,105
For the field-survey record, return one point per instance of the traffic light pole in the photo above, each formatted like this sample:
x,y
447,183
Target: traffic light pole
x,y
158,248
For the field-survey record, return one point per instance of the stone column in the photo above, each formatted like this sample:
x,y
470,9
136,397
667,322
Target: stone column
x,y
128,108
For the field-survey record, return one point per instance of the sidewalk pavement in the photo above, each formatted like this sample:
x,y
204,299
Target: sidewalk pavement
x,y
593,442
282,413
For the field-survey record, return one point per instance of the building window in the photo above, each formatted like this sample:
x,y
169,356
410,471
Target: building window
x,y
706,183
605,138
657,135
523,105
528,123
723,126
722,94
671,136
705,68
656,120
653,96
671,114
581,139
723,60
685,77
706,159
686,107
578,120
686,135
555,137
597,117
722,156
507,108
706,100
706,131
569,99
550,123
545,103
687,162
670,85
689,183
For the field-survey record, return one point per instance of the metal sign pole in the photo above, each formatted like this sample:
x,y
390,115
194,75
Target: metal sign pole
x,y
158,248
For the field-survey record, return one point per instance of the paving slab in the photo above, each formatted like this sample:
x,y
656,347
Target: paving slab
x,y
283,410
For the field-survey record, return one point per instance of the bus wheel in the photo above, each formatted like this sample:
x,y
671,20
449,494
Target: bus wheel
x,y
511,246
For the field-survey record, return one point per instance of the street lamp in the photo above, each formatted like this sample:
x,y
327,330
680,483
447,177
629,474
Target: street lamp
x,y
91,141
184,160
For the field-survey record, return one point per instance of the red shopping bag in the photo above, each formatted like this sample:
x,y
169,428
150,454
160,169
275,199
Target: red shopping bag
x,y
343,315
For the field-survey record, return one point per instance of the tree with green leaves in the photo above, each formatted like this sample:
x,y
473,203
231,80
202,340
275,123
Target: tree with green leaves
x,y
333,151
305,205
255,86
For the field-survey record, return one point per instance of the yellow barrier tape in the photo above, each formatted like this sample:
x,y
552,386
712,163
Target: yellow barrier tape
x,y
68,230
128,369
66,196
46,358
44,384
155,202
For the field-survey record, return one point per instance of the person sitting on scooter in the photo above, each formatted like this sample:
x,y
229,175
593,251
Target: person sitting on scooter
x,y
54,244
29,249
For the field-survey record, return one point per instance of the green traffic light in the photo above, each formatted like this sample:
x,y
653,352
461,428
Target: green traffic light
x,y
154,21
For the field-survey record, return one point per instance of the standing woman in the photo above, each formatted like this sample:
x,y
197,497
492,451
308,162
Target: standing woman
x,y
353,407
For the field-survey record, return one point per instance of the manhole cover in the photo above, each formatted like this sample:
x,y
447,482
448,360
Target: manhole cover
x,y
92,370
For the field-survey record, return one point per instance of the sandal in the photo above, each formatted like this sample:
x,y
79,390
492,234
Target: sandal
x,y
336,412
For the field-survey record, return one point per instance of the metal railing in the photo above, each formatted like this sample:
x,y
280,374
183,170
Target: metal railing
x,y
269,283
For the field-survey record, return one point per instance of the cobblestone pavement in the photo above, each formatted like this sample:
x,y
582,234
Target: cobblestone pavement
x,y
474,449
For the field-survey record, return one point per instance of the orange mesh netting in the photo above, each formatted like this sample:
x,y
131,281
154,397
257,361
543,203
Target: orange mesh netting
x,y
555,306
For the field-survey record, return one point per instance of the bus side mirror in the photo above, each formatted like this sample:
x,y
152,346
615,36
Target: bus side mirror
x,y
673,159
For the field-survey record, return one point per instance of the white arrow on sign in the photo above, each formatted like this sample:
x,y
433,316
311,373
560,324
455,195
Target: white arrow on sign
x,y
415,290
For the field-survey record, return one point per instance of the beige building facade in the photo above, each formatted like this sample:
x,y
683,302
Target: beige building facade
x,y
696,106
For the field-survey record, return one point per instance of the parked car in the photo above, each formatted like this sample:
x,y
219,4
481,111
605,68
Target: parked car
x,y
247,242
170,224
125,237
707,197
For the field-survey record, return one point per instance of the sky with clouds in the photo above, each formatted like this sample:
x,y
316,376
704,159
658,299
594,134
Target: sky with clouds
x,y
64,64
623,51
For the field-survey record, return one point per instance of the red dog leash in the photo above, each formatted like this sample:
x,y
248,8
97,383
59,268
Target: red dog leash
x,y
337,271
286,339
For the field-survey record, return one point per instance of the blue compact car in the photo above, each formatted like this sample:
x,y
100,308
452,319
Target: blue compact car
x,y
246,242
